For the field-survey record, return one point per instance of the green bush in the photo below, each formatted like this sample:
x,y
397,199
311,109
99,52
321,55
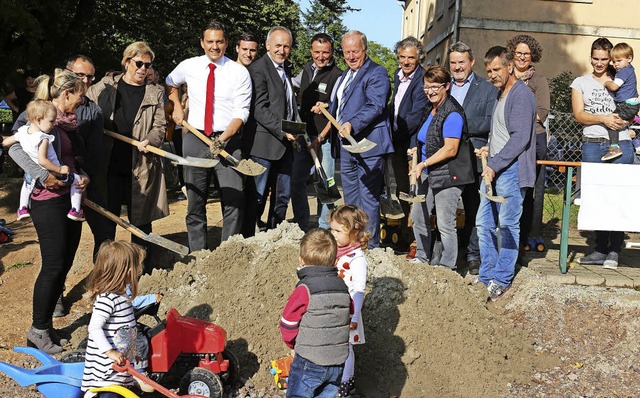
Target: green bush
x,y
5,116
561,92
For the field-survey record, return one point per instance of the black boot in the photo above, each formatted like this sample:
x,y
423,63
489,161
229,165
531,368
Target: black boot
x,y
56,338
41,340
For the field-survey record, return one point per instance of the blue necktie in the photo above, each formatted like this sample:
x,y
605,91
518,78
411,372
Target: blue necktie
x,y
343,98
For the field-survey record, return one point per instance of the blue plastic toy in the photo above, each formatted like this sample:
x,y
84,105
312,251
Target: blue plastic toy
x,y
53,379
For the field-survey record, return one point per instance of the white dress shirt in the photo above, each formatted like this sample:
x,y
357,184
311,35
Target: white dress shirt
x,y
232,95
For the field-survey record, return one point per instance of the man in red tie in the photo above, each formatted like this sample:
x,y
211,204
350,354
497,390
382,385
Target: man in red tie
x,y
219,92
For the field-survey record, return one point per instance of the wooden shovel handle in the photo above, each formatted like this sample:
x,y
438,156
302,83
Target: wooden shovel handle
x,y
135,142
207,141
487,182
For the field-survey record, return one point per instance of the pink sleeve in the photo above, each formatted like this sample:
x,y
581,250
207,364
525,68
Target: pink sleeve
x,y
292,314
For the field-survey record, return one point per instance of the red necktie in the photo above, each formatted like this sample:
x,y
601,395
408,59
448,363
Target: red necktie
x,y
208,107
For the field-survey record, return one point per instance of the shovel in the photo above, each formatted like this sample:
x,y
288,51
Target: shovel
x,y
188,161
152,238
245,166
413,196
356,147
326,187
389,204
487,183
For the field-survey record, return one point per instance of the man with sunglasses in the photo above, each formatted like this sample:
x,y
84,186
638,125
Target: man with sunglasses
x,y
219,92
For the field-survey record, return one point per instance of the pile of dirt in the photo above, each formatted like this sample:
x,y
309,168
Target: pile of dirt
x,y
425,326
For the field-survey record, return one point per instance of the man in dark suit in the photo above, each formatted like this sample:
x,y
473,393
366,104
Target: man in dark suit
x,y
406,108
264,141
478,98
359,105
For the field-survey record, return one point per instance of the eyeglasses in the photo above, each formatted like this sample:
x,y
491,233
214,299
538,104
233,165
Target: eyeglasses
x,y
523,55
433,89
140,63
90,78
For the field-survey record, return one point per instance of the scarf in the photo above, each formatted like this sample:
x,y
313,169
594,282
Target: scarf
x,y
66,121
528,74
346,249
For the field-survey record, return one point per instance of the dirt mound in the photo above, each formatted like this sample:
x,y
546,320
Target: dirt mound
x,y
425,327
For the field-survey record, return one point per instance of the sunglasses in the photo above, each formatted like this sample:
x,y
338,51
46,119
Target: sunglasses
x,y
89,78
140,63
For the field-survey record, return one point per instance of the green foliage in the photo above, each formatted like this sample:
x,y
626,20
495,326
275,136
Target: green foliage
x,y
6,116
561,92
41,35
384,56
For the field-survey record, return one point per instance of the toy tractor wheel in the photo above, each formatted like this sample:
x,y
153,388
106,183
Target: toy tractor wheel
x,y
395,237
540,247
233,375
73,356
383,234
199,381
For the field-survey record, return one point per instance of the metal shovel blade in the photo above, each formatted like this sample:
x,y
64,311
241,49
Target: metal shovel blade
x,y
390,206
249,168
497,199
412,196
359,147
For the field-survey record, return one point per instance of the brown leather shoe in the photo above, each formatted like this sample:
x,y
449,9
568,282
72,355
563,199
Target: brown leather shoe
x,y
412,253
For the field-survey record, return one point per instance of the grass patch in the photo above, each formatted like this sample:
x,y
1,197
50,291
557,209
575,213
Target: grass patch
x,y
19,265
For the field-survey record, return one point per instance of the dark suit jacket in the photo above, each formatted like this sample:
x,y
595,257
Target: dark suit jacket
x,y
263,136
478,108
411,107
366,107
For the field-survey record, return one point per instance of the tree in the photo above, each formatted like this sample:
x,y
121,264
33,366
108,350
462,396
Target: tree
x,y
384,56
40,34
323,16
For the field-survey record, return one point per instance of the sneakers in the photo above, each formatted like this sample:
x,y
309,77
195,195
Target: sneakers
x,y
23,213
595,258
614,152
496,290
76,215
347,388
474,267
633,101
611,262
141,384
416,260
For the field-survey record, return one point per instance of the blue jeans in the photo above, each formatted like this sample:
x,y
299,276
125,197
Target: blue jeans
x,y
446,203
306,379
498,255
608,241
302,164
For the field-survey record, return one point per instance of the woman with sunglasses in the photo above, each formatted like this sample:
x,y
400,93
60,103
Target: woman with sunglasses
x,y
526,51
444,167
134,109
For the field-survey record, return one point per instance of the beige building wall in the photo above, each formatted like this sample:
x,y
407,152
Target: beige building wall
x,y
565,29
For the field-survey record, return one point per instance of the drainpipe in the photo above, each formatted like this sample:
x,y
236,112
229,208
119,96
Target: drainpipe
x,y
456,21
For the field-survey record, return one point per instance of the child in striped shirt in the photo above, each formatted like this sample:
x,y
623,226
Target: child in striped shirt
x,y
112,328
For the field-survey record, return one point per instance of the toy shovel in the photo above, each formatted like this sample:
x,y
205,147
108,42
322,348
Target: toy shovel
x,y
489,194
356,147
245,166
413,196
188,161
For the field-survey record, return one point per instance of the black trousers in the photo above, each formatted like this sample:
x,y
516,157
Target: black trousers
x,y
59,238
119,193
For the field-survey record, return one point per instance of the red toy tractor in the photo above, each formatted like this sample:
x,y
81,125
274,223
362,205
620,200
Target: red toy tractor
x,y
187,348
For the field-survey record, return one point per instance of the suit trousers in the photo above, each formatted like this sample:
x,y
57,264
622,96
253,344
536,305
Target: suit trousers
x,y
277,177
197,181
362,183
